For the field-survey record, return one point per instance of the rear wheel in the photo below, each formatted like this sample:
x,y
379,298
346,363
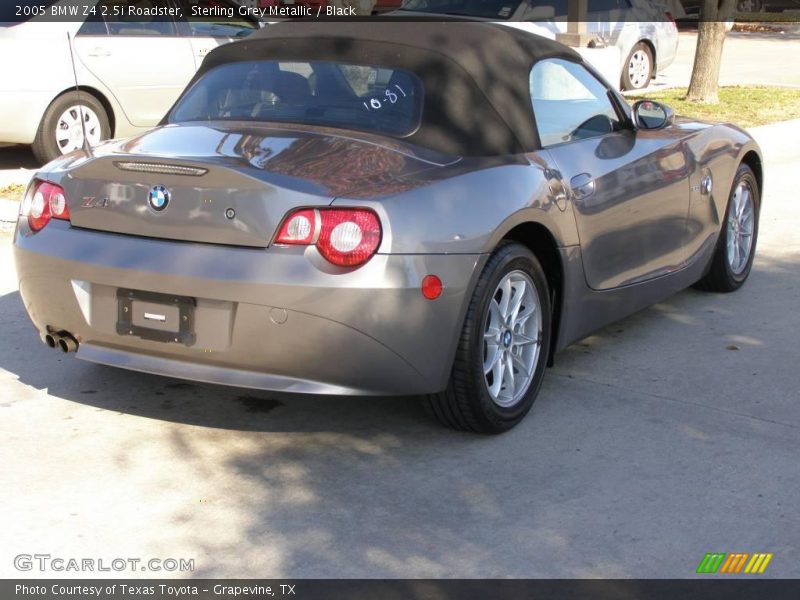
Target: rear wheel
x,y
638,69
733,256
503,348
61,131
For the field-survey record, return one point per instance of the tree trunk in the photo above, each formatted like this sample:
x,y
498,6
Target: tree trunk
x,y
710,40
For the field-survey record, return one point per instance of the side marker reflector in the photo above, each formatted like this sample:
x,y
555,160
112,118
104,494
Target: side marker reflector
x,y
431,287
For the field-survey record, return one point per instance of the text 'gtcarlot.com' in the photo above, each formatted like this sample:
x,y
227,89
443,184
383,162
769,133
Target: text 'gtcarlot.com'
x,y
46,562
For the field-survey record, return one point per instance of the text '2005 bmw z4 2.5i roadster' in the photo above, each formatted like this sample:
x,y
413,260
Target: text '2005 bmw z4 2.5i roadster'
x,y
423,208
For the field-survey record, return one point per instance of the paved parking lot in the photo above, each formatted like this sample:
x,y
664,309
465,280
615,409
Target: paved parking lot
x,y
747,59
663,437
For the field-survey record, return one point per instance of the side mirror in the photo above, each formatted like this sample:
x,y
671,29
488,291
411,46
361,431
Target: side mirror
x,y
652,115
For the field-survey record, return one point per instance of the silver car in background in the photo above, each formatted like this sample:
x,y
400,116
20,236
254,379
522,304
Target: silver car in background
x,y
130,71
644,31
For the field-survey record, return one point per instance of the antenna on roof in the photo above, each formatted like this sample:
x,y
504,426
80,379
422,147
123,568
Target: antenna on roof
x,y
87,147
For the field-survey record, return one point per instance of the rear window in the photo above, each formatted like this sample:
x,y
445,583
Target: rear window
x,y
334,94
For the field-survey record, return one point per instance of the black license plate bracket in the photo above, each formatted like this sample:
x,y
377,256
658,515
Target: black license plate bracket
x,y
127,325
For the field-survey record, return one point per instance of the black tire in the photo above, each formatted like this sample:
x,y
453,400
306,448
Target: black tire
x,y
45,147
626,82
466,403
720,276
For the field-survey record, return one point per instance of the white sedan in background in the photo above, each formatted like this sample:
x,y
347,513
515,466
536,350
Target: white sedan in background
x,y
129,72
643,31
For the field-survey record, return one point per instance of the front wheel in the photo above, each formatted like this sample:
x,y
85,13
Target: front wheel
x,y
736,247
503,349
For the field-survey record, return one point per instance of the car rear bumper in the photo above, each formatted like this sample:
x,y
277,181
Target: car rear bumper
x,y
667,48
278,319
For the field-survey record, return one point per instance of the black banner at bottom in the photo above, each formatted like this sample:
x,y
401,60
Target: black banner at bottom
x,y
400,589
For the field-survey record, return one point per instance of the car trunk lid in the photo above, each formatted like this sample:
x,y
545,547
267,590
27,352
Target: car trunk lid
x,y
227,185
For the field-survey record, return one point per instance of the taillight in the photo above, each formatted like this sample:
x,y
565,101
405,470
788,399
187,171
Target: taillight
x,y
347,237
299,228
47,202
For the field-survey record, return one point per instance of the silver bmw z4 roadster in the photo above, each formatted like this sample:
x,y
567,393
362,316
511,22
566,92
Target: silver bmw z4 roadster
x,y
390,208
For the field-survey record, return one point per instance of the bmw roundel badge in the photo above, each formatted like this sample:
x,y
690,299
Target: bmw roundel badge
x,y
159,198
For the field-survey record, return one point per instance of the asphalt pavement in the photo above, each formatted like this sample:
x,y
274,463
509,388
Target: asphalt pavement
x,y
747,59
668,435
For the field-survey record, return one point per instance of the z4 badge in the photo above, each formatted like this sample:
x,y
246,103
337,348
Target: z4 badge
x,y
93,202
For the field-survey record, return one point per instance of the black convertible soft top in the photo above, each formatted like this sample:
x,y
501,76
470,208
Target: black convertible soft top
x,y
475,75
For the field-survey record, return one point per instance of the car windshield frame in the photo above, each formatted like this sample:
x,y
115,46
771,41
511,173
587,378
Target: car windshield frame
x,y
386,113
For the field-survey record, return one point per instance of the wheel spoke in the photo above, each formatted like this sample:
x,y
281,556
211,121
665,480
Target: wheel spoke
x,y
516,301
497,379
70,119
505,298
493,354
744,250
508,376
495,320
522,368
744,199
522,317
524,340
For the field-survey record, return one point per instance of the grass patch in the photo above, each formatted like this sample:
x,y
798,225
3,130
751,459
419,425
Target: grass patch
x,y
15,191
746,106
790,18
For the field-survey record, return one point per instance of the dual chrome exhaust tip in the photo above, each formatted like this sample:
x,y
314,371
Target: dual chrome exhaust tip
x,y
63,340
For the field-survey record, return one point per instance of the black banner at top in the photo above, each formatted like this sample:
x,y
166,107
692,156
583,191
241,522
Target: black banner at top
x,y
263,11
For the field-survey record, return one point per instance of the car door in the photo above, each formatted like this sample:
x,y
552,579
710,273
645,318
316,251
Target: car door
x,y
629,189
142,60
207,32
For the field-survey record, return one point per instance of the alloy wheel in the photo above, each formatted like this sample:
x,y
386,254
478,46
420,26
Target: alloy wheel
x,y
741,223
511,339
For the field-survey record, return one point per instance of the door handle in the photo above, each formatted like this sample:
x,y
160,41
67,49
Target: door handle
x,y
582,186
100,52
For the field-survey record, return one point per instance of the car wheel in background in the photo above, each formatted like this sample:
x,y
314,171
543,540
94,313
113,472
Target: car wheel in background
x,y
638,69
61,132
736,246
749,6
503,349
